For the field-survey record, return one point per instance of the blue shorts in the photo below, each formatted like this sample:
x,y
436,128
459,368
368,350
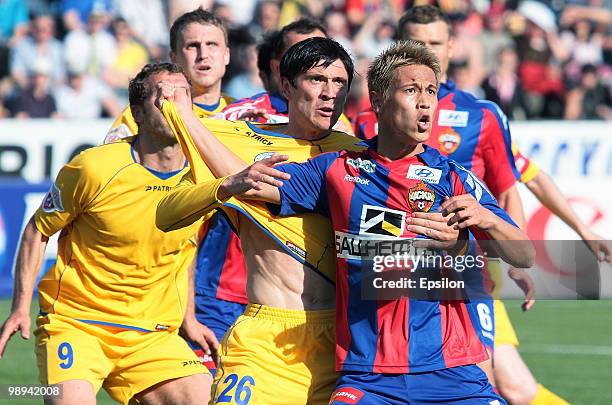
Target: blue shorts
x,y
218,315
458,385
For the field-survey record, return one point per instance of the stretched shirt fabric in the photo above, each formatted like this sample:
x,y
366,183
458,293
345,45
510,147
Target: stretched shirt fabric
x,y
304,237
470,131
113,265
274,105
125,125
367,195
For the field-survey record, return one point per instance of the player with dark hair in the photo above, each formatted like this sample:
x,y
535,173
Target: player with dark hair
x,y
281,349
271,106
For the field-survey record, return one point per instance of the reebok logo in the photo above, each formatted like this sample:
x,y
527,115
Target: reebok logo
x,y
356,179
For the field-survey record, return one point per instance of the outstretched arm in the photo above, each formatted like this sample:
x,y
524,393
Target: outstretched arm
x,y
27,266
547,192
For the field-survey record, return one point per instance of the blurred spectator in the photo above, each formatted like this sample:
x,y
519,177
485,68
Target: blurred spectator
x,y
357,11
461,74
179,7
130,58
494,38
590,100
337,27
248,82
13,27
241,11
265,19
92,50
75,13
585,47
147,21
85,96
35,101
376,35
292,10
467,52
358,99
540,53
503,86
40,46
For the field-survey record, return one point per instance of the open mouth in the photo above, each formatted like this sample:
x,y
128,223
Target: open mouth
x,y
203,68
424,123
326,111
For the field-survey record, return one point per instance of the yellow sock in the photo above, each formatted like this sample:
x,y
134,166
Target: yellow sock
x,y
546,397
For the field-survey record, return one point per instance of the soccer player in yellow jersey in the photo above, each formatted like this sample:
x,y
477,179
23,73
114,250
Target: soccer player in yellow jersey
x,y
281,350
111,306
198,44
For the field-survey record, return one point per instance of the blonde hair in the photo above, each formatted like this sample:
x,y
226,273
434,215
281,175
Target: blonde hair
x,y
402,53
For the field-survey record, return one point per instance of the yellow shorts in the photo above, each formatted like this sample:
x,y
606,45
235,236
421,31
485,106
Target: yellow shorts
x,y
504,332
277,356
124,362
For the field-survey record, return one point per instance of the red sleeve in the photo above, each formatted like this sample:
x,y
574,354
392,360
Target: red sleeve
x,y
459,189
500,172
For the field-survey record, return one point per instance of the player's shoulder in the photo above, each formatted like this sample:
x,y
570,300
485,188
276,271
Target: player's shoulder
x,y
338,140
248,100
104,160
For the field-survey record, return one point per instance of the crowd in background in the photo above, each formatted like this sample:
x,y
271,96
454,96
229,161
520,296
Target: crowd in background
x,y
537,60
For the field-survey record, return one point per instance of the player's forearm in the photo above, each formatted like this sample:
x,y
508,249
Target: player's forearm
x,y
186,204
510,201
511,243
27,266
551,197
221,161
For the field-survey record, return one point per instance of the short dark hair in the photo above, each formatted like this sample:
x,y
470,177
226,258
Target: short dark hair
x,y
422,15
304,25
265,51
199,16
309,53
139,88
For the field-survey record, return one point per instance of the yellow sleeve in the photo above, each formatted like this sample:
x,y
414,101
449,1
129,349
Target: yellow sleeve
x,y
74,188
199,171
123,127
527,168
187,203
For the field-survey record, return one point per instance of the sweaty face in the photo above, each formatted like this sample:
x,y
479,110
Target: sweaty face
x,y
409,108
150,118
203,55
435,36
317,99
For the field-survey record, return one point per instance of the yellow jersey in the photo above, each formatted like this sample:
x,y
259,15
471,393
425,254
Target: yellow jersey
x,y
307,238
114,266
125,126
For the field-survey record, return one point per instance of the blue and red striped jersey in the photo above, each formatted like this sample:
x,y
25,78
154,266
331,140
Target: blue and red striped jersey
x,y
470,131
367,195
220,267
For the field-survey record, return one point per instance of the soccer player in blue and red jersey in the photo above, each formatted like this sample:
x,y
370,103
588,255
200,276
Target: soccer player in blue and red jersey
x,y
405,350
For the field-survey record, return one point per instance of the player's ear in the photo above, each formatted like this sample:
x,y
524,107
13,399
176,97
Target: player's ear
x,y
286,87
137,113
226,57
376,101
172,56
275,67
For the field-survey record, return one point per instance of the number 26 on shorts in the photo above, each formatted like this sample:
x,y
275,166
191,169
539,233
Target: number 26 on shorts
x,y
242,393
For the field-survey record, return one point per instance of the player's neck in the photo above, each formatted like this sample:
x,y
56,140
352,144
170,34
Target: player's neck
x,y
163,157
207,96
300,130
394,148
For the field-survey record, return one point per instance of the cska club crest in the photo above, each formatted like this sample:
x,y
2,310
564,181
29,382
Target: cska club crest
x,y
449,141
421,198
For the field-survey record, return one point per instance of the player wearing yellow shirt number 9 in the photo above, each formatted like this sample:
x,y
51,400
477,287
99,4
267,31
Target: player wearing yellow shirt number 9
x,y
111,306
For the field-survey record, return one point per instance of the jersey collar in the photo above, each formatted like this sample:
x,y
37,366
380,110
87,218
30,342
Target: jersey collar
x,y
209,107
446,88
